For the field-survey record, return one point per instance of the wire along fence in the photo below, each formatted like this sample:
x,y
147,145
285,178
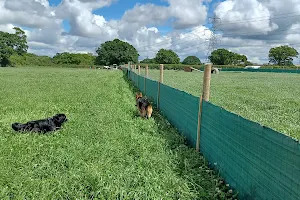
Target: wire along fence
x,y
257,161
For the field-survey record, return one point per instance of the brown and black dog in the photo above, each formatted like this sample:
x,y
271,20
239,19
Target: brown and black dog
x,y
143,105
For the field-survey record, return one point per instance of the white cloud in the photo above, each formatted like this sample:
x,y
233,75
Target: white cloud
x,y
235,15
293,34
250,27
33,7
83,22
7,28
259,25
30,13
185,14
146,14
149,40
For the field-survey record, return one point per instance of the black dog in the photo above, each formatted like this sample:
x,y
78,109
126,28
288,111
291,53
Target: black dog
x,y
43,125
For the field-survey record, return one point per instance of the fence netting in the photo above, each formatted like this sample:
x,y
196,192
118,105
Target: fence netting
x,y
257,161
260,162
181,109
151,90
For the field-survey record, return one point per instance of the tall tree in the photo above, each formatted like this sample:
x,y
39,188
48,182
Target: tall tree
x,y
66,58
74,58
191,60
12,43
116,52
148,60
165,56
225,57
282,55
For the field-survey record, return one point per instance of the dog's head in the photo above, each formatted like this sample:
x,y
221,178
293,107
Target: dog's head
x,y
59,119
138,95
17,126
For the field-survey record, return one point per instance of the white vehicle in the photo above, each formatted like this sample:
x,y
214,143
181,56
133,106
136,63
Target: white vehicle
x,y
252,67
114,66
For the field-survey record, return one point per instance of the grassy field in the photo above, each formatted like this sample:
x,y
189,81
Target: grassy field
x,y
272,99
104,151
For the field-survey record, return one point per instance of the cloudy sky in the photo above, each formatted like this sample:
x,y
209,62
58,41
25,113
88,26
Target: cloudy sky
x,y
249,27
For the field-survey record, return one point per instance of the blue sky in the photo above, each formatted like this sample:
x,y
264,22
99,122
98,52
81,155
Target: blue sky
x,y
149,25
117,9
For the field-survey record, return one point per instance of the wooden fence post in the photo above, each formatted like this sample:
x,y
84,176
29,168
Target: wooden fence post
x,y
203,96
147,72
161,80
161,77
206,82
139,69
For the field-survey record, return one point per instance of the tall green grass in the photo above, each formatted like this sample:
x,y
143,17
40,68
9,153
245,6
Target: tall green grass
x,y
104,151
272,99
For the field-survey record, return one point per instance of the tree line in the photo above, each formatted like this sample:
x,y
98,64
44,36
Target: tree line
x,y
13,51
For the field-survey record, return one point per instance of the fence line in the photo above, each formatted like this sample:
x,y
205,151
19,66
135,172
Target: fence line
x,y
294,71
255,160
226,68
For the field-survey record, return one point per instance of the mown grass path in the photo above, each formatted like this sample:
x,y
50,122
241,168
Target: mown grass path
x,y
104,151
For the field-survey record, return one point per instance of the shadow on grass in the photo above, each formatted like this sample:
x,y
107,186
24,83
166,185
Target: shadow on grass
x,y
190,165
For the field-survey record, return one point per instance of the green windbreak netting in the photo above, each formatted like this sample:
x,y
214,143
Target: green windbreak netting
x,y
259,162
129,73
181,109
141,83
151,90
132,75
135,78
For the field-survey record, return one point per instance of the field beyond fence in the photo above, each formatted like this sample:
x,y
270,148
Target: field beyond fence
x,y
270,99
257,161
